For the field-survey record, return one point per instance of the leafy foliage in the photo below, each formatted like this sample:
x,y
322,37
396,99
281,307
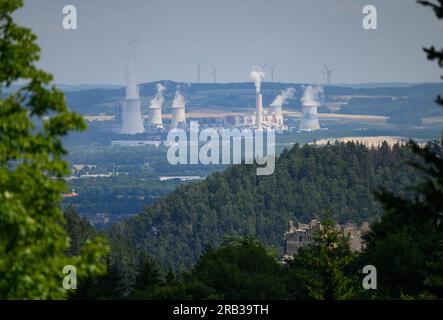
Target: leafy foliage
x,y
241,268
323,271
406,245
33,119
432,53
177,228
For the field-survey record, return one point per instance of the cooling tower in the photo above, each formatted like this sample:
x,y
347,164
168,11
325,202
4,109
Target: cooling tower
x,y
178,118
309,120
258,111
132,121
155,117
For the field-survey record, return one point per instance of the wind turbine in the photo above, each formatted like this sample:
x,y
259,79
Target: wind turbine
x,y
328,75
272,66
326,71
323,73
198,65
214,73
263,67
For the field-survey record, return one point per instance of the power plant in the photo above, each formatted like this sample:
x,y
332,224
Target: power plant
x,y
258,111
257,76
309,120
276,113
178,112
263,118
132,121
129,119
155,109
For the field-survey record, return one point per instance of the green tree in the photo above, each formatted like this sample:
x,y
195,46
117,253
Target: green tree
x,y
148,276
406,245
104,286
79,231
241,268
33,242
323,270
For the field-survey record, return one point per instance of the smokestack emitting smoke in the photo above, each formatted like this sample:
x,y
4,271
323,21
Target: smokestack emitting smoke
x,y
280,100
132,121
310,102
131,85
257,76
178,111
155,115
158,99
312,95
179,100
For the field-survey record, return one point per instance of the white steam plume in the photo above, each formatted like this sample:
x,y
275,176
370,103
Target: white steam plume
x,y
312,95
280,100
157,101
179,100
131,85
257,76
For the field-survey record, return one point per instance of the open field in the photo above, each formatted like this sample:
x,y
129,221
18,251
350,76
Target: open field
x,y
297,114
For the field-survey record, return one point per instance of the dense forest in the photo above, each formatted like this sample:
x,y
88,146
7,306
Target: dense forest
x,y
405,247
220,238
307,180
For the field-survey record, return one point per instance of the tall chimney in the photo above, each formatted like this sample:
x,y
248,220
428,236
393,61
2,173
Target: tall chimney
x,y
259,111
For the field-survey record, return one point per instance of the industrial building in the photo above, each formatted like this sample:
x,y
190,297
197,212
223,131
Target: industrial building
x,y
309,120
132,121
178,112
302,235
155,109
155,117
310,103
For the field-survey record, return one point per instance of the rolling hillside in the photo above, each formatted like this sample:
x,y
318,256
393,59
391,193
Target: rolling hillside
x,y
415,100
307,180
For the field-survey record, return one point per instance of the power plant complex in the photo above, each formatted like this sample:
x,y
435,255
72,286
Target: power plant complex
x,y
130,120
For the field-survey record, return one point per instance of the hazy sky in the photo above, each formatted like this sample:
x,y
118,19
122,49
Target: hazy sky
x,y
300,36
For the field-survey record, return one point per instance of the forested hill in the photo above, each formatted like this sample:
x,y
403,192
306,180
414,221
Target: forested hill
x,y
307,180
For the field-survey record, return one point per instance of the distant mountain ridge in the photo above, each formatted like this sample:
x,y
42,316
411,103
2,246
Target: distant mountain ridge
x,y
417,100
371,85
